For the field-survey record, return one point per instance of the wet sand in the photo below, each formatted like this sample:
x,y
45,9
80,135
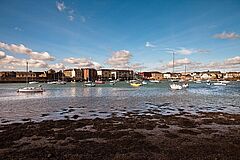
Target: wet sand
x,y
133,136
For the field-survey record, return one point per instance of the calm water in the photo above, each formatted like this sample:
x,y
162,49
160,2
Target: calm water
x,y
59,101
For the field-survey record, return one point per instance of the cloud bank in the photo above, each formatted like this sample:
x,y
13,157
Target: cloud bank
x,y
21,49
227,35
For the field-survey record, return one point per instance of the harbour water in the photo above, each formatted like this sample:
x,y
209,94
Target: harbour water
x,y
74,101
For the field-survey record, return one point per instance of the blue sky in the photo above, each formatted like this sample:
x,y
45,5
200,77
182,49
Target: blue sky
x,y
205,35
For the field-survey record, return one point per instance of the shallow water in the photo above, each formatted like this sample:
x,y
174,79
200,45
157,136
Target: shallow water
x,y
63,101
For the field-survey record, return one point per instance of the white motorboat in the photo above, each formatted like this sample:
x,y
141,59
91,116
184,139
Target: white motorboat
x,y
91,84
28,89
154,81
185,85
61,82
144,82
198,81
53,82
224,81
174,80
112,82
33,82
176,86
219,84
208,83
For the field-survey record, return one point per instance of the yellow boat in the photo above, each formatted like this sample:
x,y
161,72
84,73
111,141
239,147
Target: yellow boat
x,y
135,84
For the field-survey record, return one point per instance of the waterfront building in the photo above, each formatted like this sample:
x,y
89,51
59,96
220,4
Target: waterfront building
x,y
124,74
8,74
73,74
156,76
167,75
232,75
89,74
145,75
105,74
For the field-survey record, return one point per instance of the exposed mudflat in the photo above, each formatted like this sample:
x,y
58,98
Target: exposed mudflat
x,y
181,136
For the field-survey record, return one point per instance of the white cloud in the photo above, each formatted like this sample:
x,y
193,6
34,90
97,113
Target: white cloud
x,y
119,59
185,51
9,61
148,44
8,67
233,61
18,29
137,66
227,35
179,62
57,66
2,54
37,63
60,6
71,18
82,62
24,50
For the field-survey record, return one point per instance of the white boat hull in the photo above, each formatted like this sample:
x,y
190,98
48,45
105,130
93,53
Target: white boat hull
x,y
185,85
30,90
154,81
219,84
90,84
51,82
176,87
33,82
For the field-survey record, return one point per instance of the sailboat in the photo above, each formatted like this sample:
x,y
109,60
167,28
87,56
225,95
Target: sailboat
x,y
175,86
28,89
61,82
185,84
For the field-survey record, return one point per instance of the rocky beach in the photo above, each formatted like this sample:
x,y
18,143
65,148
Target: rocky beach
x,y
132,136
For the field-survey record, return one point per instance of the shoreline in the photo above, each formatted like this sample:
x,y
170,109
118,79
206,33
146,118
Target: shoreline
x,y
182,136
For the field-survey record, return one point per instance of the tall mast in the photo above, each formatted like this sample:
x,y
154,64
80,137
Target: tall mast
x,y
27,72
173,61
185,69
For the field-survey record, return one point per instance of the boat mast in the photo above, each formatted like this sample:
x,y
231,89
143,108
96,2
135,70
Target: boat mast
x,y
173,62
27,72
185,69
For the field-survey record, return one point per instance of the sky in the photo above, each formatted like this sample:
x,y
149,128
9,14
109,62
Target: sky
x,y
120,34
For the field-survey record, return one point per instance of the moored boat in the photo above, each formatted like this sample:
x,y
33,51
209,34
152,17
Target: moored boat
x,y
53,82
154,81
144,82
198,81
224,81
185,85
33,82
99,82
30,89
176,86
219,84
136,84
90,84
61,82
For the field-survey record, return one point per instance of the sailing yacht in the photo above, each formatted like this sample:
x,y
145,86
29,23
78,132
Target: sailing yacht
x,y
28,89
175,86
185,84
